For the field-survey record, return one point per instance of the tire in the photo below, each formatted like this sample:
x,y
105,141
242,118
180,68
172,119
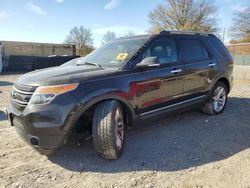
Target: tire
x,y
217,100
108,129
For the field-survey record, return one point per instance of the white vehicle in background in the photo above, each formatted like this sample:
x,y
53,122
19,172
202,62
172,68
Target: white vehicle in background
x,y
1,60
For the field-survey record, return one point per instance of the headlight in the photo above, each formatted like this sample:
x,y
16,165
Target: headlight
x,y
46,94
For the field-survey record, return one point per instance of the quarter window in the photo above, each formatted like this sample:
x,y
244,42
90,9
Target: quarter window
x,y
192,50
219,47
164,49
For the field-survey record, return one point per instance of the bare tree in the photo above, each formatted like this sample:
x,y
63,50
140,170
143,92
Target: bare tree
x,y
193,15
129,34
82,38
241,25
108,37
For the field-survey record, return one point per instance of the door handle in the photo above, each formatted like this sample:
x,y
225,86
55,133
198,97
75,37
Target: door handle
x,y
176,71
211,64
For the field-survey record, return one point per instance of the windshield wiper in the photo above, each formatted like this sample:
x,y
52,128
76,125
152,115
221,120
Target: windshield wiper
x,y
90,63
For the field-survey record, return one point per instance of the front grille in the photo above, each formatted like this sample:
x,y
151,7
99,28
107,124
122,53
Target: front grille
x,y
21,95
26,88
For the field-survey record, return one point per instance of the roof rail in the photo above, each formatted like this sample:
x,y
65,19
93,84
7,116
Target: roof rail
x,y
135,36
185,32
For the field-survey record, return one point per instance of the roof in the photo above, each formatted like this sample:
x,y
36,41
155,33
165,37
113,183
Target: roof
x,y
167,32
186,33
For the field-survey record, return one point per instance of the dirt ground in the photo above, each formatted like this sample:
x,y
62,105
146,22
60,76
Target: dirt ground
x,y
186,150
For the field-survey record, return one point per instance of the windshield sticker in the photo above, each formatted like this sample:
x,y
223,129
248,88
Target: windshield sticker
x,y
121,56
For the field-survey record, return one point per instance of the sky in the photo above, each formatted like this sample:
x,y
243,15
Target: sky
x,y
50,21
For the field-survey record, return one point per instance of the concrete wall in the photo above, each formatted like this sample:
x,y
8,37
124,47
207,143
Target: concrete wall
x,y
241,72
37,49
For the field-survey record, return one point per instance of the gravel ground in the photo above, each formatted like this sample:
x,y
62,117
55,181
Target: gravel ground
x,y
186,150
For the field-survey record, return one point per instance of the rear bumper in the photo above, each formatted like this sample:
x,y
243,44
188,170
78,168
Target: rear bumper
x,y
44,127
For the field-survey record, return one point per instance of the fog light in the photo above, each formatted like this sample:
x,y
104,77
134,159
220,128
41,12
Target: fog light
x,y
34,141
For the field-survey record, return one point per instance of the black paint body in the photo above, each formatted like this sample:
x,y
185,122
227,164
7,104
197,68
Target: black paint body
x,y
144,92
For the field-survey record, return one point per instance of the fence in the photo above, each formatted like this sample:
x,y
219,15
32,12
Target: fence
x,y
242,59
27,56
240,53
29,63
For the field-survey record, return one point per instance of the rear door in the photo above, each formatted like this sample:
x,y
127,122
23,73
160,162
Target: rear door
x,y
197,64
159,86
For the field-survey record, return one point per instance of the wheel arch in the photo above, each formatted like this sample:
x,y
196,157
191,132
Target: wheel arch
x,y
224,80
92,103
208,107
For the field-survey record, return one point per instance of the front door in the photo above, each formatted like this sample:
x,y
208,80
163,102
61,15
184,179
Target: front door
x,y
159,86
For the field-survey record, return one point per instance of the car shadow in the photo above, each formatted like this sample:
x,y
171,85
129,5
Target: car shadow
x,y
182,141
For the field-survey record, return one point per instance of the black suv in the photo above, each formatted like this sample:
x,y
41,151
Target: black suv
x,y
121,82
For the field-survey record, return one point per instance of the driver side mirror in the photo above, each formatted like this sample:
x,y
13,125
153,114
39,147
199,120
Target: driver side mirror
x,y
148,62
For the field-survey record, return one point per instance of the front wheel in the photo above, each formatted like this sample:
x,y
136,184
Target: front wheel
x,y
108,129
217,101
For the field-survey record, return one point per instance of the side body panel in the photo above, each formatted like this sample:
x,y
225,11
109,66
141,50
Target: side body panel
x,y
199,74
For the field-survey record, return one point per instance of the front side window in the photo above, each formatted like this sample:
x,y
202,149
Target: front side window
x,y
164,49
192,50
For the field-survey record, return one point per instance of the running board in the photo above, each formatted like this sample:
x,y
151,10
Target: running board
x,y
169,107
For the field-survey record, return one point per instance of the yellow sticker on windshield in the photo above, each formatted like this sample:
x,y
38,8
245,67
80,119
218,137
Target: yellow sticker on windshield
x,y
121,56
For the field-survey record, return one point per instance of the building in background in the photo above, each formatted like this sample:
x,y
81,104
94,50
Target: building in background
x,y
26,55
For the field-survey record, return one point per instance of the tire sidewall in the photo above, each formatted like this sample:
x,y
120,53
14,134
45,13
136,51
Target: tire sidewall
x,y
117,150
103,130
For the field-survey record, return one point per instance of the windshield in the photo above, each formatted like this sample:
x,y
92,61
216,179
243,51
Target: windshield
x,y
113,54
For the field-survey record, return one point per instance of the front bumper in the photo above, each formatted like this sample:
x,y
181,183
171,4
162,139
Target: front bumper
x,y
45,127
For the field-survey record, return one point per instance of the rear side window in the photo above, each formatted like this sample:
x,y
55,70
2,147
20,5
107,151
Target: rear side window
x,y
164,49
192,50
219,47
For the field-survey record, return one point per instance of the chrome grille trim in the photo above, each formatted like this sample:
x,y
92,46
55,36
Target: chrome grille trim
x,y
19,102
21,95
26,88
23,92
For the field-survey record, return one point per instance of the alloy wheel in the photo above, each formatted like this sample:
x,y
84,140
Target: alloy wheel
x,y
219,98
119,128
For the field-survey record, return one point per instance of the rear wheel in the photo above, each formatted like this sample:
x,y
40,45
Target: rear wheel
x,y
217,101
108,129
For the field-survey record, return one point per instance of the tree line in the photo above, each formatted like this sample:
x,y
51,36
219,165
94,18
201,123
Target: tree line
x,y
83,39
191,15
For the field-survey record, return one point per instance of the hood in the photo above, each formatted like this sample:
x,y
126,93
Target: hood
x,y
63,75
